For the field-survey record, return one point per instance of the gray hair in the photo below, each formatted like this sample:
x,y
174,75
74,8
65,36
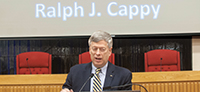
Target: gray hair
x,y
101,35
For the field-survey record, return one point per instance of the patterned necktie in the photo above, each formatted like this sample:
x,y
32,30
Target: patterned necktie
x,y
97,81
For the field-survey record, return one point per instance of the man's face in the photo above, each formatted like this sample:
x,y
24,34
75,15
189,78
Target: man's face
x,y
99,53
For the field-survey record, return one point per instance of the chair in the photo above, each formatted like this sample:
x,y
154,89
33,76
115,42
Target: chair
x,y
162,60
85,58
33,63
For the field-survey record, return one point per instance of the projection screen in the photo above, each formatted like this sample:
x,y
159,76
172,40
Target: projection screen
x,y
36,18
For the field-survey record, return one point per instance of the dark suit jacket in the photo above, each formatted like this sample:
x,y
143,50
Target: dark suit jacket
x,y
115,76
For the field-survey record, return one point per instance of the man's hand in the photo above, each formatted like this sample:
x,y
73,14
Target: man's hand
x,y
66,90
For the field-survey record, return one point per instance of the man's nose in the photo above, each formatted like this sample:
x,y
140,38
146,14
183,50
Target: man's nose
x,y
98,51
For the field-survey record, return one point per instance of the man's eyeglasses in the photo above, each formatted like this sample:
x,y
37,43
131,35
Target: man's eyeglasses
x,y
95,49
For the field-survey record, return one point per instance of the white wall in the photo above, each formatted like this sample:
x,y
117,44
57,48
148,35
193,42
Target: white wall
x,y
41,18
196,53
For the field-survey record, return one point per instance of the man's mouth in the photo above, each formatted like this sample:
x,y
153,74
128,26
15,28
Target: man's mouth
x,y
98,58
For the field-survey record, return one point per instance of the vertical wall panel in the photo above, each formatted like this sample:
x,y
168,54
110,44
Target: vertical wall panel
x,y
147,87
8,52
185,86
188,86
173,87
162,87
192,86
14,57
169,87
159,87
155,87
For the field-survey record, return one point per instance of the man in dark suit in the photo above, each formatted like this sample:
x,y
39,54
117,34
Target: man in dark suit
x,y
105,73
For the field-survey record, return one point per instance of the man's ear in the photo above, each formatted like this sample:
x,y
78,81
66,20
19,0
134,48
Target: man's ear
x,y
89,50
110,50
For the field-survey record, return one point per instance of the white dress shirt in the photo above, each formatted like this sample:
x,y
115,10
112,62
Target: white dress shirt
x,y
102,76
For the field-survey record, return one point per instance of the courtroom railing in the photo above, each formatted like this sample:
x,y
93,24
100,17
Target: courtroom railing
x,y
32,83
177,81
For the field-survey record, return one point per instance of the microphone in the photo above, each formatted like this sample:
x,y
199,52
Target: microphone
x,y
161,64
109,87
86,82
28,65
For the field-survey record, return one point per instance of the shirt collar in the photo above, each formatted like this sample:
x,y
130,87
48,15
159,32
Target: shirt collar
x,y
103,69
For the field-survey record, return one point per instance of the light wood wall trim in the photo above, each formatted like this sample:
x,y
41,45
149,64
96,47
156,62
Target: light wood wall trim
x,y
177,81
33,79
166,76
137,77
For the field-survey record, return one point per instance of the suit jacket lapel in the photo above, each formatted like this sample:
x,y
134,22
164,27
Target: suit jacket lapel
x,y
86,75
109,75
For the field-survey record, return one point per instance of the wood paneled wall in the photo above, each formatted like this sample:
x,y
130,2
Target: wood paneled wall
x,y
32,83
31,88
170,87
177,81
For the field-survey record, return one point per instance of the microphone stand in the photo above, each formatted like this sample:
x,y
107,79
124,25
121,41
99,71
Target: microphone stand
x,y
86,82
